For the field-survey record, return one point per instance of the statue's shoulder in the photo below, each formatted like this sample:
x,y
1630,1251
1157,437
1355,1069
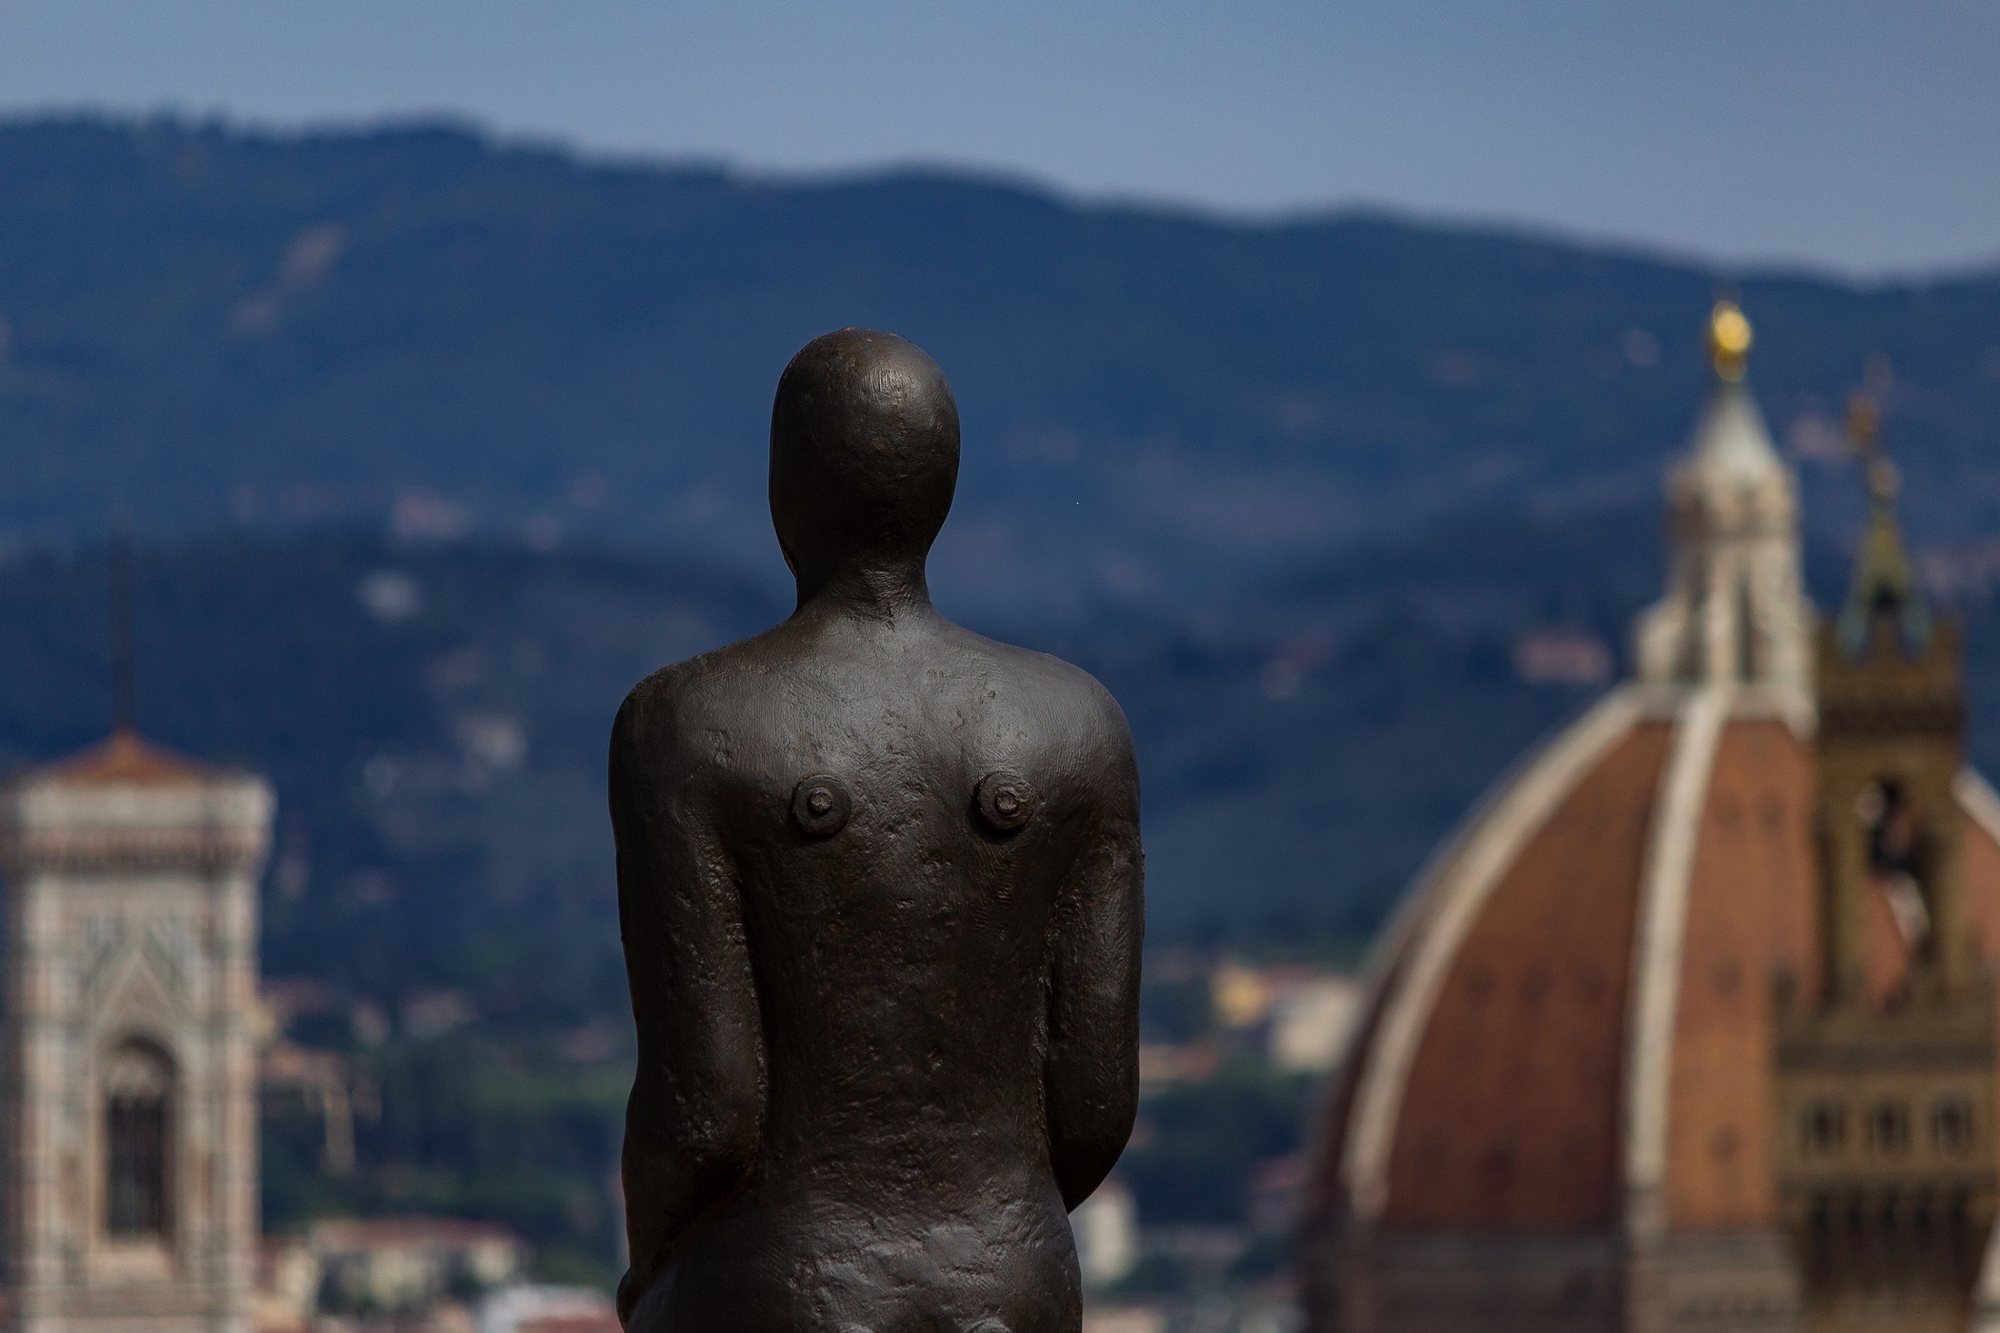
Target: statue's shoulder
x,y
1062,700
684,701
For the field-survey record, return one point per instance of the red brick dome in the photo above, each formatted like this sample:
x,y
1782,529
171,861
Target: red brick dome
x,y
1560,1108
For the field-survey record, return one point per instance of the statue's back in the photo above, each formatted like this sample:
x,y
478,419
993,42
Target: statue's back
x,y
880,887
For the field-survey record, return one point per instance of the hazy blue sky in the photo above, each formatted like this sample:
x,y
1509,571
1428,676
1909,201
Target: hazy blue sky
x,y
1861,136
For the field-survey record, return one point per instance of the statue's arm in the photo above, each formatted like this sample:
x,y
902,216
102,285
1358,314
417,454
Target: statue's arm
x,y
696,1111
1091,1074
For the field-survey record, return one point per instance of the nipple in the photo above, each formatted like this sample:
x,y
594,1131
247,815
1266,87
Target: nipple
x,y
1005,800
820,805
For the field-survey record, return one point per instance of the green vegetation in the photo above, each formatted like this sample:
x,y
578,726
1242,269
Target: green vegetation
x,y
1177,1007
1192,1154
467,1125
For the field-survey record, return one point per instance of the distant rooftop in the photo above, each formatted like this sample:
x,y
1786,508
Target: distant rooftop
x,y
369,1233
125,757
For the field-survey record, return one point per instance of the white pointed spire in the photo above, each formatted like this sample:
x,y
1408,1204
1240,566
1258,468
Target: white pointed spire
x,y
1735,610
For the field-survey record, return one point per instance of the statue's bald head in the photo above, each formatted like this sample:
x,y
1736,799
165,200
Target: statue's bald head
x,y
864,454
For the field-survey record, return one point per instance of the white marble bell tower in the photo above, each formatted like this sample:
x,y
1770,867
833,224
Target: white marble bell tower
x,y
130,1072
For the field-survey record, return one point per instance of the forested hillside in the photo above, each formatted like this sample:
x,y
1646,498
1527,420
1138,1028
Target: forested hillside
x,y
434,718
207,325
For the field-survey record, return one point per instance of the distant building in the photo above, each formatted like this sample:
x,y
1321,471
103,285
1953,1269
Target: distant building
x,y
1692,1025
1240,995
1124,1319
599,1321
1303,1014
129,1061
539,1309
1310,1023
1107,1234
320,1079
1562,657
398,1263
287,1287
1274,1191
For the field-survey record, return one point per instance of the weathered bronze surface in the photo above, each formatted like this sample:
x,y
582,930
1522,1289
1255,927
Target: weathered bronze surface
x,y
879,882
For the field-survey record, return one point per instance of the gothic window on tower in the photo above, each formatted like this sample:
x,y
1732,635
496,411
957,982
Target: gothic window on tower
x,y
1889,1127
138,1111
1951,1125
1895,857
1746,635
1825,1129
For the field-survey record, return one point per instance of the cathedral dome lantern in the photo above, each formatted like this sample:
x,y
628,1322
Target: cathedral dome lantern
x,y
1735,611
1634,1032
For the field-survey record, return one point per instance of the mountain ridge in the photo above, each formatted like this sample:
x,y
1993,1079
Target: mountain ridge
x,y
423,326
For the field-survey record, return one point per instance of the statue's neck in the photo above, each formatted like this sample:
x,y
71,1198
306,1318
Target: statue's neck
x,y
883,592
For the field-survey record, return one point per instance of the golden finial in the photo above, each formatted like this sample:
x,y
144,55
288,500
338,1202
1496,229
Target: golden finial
x,y
1728,340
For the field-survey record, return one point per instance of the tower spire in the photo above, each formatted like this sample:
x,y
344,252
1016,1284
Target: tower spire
x,y
1735,611
1884,587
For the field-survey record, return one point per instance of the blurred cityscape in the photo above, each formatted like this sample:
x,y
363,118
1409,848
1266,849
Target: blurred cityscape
x,y
316,1016
1193,1232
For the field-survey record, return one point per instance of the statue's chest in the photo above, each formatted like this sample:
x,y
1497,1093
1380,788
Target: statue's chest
x,y
975,767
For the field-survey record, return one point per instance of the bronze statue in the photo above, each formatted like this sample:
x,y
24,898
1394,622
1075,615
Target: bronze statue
x,y
879,882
